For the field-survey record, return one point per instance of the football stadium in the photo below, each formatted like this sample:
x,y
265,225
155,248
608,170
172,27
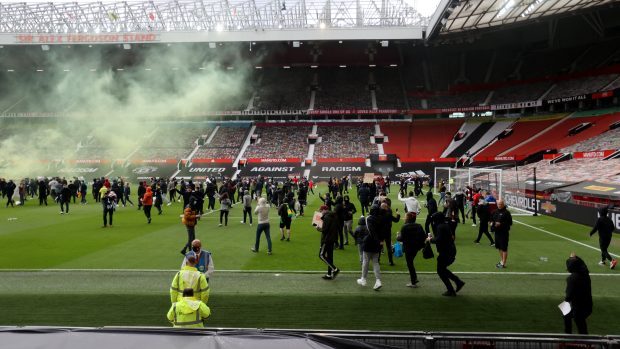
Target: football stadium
x,y
224,174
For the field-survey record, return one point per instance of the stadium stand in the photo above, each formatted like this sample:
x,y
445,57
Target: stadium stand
x,y
350,141
171,141
466,99
388,91
284,89
420,138
522,130
225,144
280,141
520,93
575,170
343,88
469,134
581,86
559,137
605,141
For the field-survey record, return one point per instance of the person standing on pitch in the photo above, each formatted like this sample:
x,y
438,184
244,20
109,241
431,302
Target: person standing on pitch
x,y
605,227
349,211
64,199
189,277
412,236
204,259
578,294
262,210
225,205
482,209
372,246
247,207
329,236
190,219
147,202
286,218
188,312
500,223
108,200
411,203
431,205
446,251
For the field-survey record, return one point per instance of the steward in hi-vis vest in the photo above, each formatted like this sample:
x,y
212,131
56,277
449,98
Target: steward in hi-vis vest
x,y
188,312
189,277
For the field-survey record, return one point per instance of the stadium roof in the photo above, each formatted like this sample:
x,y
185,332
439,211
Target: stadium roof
x,y
463,15
219,20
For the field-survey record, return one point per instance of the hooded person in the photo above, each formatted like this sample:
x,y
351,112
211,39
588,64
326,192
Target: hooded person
x,y
578,294
188,312
147,202
605,228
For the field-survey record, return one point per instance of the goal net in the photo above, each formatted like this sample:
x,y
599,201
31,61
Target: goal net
x,y
477,178
515,186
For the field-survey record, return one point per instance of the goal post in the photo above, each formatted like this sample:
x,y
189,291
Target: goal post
x,y
514,185
489,179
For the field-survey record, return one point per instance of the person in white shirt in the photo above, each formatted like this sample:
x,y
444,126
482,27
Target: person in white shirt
x,y
411,203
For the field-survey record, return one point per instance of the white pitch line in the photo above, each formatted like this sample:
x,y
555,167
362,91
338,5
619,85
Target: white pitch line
x,y
297,272
563,237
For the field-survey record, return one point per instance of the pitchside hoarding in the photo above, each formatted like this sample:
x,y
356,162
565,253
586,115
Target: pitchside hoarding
x,y
562,210
278,170
204,171
326,170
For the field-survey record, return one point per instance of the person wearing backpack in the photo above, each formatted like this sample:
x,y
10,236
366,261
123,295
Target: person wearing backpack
x,y
605,227
286,218
413,237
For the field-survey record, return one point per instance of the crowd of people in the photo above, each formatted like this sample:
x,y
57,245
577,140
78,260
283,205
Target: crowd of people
x,y
372,236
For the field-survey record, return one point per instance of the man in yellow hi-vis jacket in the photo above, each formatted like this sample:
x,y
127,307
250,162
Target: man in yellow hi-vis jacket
x,y
189,277
188,312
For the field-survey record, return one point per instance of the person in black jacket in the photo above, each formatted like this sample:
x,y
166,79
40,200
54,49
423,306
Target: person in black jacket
x,y
500,223
43,193
9,190
363,195
349,211
339,210
482,209
329,236
413,237
141,192
372,246
65,197
388,219
431,205
605,227
578,294
446,251
302,197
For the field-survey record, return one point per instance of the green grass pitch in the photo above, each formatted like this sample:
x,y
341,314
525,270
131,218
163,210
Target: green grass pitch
x,y
66,270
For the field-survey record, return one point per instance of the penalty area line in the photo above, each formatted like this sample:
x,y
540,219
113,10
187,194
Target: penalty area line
x,y
563,237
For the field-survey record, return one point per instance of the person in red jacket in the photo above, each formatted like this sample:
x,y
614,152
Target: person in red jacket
x,y
147,202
